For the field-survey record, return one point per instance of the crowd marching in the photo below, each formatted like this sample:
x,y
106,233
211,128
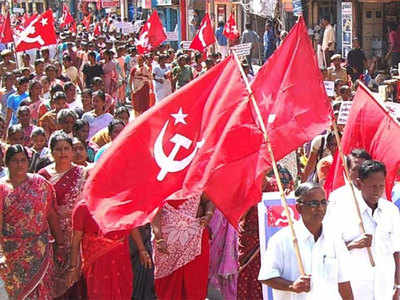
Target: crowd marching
x,y
64,104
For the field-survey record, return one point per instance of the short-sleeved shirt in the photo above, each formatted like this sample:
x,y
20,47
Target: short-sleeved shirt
x,y
184,75
13,103
325,260
383,224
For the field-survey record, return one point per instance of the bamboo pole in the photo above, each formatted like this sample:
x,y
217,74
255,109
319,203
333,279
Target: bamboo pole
x,y
274,166
347,175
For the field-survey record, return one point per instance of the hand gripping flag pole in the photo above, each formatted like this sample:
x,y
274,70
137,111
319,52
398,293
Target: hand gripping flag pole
x,y
275,168
347,174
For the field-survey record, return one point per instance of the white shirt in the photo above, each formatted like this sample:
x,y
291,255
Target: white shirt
x,y
329,37
325,260
370,283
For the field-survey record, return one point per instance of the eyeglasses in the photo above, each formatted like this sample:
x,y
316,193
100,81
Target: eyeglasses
x,y
314,203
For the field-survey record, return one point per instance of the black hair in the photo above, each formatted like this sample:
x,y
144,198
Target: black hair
x,y
120,110
32,84
92,54
371,166
69,85
100,94
221,24
59,95
22,80
12,150
326,18
305,188
38,131
114,124
357,153
248,26
78,125
55,89
13,129
59,136
87,91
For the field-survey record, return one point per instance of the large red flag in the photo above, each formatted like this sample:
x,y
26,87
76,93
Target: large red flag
x,y
205,37
151,35
230,29
370,127
6,34
66,18
202,125
39,33
290,92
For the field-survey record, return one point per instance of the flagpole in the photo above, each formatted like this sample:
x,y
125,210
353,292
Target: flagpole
x,y
274,166
347,174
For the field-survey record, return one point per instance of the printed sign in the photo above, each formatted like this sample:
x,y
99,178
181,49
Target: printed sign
x,y
297,8
242,49
185,45
344,112
330,88
172,35
272,218
347,27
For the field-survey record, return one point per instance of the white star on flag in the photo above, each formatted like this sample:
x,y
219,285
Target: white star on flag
x,y
179,117
44,22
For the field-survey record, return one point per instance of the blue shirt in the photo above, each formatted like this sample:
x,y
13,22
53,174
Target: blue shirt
x,y
269,38
13,103
221,38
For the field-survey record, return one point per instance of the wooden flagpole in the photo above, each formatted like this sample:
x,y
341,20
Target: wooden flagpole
x,y
347,175
274,166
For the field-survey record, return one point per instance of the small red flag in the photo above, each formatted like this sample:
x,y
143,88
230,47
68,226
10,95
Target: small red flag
x,y
66,18
39,33
230,29
205,37
190,136
370,127
151,35
6,34
97,30
292,98
87,21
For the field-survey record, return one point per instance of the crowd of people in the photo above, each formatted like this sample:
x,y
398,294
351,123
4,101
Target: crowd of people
x,y
63,106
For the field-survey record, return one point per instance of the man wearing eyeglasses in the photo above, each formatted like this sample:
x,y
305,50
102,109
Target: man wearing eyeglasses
x,y
324,255
381,221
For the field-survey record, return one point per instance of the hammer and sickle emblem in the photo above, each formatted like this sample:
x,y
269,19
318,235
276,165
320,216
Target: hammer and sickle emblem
x,y
283,219
25,35
168,164
201,36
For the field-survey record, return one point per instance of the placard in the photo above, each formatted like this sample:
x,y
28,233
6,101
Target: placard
x,y
297,8
242,49
185,45
272,218
347,27
344,112
330,88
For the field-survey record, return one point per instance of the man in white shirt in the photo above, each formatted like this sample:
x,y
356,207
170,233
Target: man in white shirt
x,y
324,255
328,41
381,221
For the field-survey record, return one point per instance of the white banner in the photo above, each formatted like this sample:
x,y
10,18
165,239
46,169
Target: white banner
x,y
242,49
344,112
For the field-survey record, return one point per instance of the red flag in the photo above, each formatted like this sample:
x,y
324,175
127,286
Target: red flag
x,y
73,27
39,33
230,29
370,127
66,18
205,37
97,30
6,34
292,98
87,21
28,19
151,35
186,131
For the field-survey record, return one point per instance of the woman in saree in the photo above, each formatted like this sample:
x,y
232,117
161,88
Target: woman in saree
x,y
248,287
104,260
68,180
27,218
224,269
98,118
140,83
110,73
181,248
